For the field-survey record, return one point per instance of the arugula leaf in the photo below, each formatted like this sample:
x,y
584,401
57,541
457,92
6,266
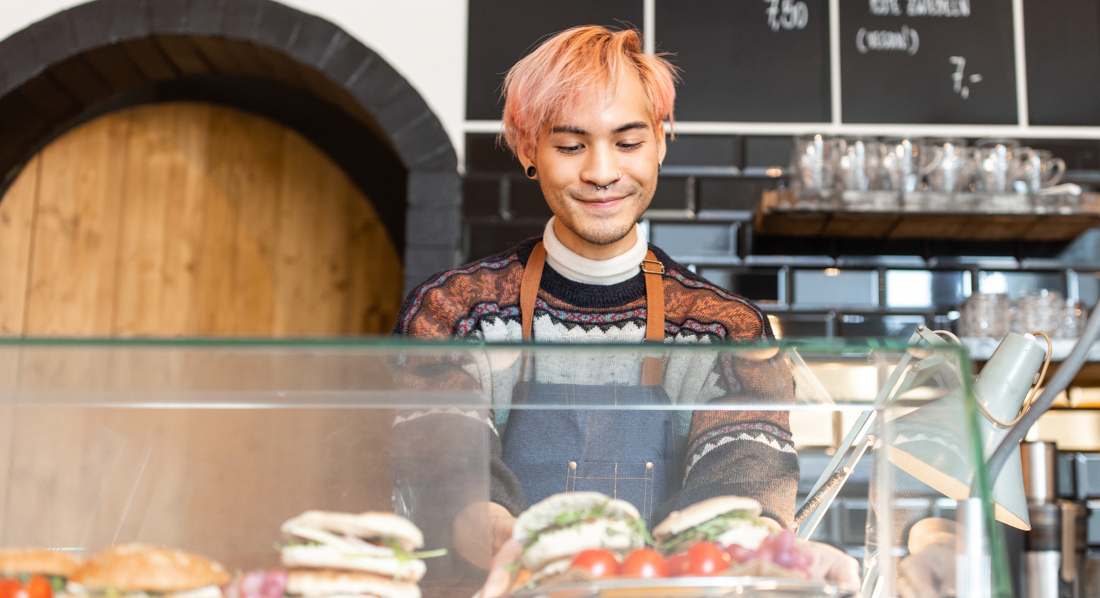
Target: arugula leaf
x,y
404,557
704,532
294,543
642,530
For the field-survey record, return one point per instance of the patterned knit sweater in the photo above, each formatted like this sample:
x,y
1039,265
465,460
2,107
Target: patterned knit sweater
x,y
726,452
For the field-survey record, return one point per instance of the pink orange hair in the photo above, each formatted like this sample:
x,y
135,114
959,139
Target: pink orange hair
x,y
577,69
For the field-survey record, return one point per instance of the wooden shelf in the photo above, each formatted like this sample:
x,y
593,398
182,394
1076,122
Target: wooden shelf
x,y
926,215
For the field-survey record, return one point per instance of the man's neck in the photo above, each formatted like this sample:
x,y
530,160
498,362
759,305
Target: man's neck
x,y
590,250
578,268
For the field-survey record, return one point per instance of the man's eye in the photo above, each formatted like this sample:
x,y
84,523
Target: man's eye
x,y
630,146
569,149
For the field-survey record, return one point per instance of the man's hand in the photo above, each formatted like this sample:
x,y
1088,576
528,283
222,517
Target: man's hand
x,y
832,564
929,573
500,576
829,563
480,530
929,570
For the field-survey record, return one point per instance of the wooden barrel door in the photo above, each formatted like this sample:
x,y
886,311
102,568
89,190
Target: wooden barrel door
x,y
186,219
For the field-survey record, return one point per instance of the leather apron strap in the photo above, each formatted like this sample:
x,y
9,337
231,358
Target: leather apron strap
x,y
652,367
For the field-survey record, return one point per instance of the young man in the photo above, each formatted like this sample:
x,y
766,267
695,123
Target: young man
x,y
585,115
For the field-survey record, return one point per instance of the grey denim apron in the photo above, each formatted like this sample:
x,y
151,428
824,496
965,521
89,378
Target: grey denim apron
x,y
626,454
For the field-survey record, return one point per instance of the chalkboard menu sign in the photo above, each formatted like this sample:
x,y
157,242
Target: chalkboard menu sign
x,y
927,62
1062,40
747,60
503,31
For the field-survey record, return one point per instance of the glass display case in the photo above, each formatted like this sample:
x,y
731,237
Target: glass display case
x,y
208,446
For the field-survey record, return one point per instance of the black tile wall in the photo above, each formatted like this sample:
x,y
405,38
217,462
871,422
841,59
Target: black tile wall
x,y
757,285
487,239
704,150
732,193
856,325
923,289
481,197
484,154
764,152
1018,284
672,193
694,239
803,325
526,200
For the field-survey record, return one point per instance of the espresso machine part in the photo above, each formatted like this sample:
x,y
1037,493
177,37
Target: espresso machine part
x,y
1040,461
1056,543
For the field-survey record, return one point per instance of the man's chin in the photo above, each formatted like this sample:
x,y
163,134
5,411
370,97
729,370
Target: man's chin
x,y
605,236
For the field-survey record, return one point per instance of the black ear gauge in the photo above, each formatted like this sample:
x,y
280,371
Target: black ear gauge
x,y
658,167
531,172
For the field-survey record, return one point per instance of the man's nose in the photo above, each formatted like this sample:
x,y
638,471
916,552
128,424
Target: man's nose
x,y
601,167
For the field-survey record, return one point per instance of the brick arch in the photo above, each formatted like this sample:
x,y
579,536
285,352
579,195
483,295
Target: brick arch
x,y
295,68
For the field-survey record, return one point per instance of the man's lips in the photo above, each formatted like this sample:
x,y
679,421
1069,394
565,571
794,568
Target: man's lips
x,y
602,203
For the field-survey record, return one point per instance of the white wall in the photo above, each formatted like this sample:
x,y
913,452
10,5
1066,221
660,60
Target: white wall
x,y
425,40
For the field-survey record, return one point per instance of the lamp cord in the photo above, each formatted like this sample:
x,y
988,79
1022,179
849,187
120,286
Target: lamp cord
x,y
1058,382
1032,393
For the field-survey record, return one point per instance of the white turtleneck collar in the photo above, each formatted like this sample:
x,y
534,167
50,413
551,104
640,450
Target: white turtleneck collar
x,y
588,271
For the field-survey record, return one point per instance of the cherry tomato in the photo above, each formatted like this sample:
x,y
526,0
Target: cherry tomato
x,y
707,559
8,587
598,563
39,587
645,563
678,565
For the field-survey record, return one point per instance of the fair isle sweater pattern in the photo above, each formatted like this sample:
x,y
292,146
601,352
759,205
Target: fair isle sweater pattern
x,y
730,452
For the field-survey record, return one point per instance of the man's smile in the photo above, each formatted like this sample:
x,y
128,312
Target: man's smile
x,y
602,202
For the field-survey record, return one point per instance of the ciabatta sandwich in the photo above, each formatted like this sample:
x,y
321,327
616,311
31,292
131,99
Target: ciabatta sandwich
x,y
553,530
372,542
22,563
726,520
138,570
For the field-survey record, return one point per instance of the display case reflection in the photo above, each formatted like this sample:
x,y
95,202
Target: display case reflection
x,y
210,447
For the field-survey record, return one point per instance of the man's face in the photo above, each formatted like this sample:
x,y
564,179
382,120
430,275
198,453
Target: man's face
x,y
615,148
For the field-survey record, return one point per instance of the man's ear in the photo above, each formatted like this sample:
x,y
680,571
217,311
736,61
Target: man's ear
x,y
662,146
526,154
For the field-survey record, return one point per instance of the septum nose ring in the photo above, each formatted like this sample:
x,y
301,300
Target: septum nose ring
x,y
608,186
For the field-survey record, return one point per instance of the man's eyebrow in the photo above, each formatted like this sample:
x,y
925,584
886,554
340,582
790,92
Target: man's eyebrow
x,y
629,126
568,129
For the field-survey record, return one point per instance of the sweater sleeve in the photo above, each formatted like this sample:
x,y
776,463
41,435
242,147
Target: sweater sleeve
x,y
744,452
431,314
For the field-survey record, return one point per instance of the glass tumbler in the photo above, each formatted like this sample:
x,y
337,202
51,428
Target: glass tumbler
x,y
858,163
814,161
986,315
949,164
998,165
902,164
1041,311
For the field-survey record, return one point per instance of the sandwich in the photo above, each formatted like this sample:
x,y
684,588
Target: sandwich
x,y
139,570
556,529
347,555
24,564
726,520
755,546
